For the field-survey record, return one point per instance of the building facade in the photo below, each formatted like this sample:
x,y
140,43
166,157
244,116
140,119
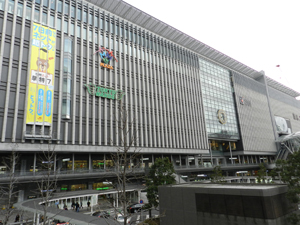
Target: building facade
x,y
67,66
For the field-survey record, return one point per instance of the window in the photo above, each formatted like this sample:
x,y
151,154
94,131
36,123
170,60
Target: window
x,y
66,10
20,10
72,29
51,22
90,35
2,4
11,6
58,25
44,19
52,4
45,3
67,79
59,6
79,14
84,16
84,34
36,15
66,26
66,109
90,19
72,11
96,21
78,31
28,13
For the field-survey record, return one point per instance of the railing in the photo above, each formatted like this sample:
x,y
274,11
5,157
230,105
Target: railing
x,y
221,165
6,174
18,173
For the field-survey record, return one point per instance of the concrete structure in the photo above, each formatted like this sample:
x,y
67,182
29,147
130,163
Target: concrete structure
x,y
202,204
65,66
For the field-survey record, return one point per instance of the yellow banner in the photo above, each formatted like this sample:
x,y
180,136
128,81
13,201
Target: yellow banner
x,y
41,76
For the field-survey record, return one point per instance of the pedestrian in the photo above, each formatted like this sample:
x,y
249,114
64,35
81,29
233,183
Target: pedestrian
x,y
65,207
73,205
88,205
77,207
17,219
81,205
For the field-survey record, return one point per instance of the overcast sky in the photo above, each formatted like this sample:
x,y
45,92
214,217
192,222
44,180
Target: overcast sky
x,y
258,33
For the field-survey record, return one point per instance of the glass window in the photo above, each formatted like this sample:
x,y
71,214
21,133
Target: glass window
x,y
58,24
111,28
79,14
59,6
78,31
101,40
84,34
45,3
20,10
11,6
51,22
90,35
72,29
84,16
52,4
28,13
66,10
121,32
106,41
106,25
44,19
96,38
66,108
66,26
91,19
2,4
38,1
72,11
116,30
101,23
36,15
67,66
96,21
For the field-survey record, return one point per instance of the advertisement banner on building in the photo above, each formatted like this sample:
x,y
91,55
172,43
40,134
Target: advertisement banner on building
x,y
41,75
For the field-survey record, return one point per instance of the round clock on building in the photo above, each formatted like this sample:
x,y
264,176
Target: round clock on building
x,y
222,116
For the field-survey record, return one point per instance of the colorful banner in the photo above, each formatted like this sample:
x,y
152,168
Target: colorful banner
x,y
41,76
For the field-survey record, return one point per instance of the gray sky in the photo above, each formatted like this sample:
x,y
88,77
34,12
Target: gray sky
x,y
258,33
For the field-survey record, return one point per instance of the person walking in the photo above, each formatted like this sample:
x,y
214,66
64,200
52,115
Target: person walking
x,y
77,206
17,219
88,205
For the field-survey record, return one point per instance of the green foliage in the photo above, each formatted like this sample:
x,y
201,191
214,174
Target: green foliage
x,y
261,174
293,218
289,172
161,173
217,175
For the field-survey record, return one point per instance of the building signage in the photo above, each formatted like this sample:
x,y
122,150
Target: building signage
x,y
222,116
105,92
41,75
106,56
244,101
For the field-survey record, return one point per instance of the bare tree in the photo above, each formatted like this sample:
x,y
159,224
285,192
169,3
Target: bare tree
x,y
126,157
8,191
47,182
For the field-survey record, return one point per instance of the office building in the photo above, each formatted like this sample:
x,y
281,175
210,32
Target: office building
x,y
66,65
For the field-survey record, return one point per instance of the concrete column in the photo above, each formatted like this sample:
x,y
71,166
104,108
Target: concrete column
x,y
34,163
90,162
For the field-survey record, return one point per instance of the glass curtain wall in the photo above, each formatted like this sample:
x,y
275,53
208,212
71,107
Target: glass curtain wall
x,y
220,114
